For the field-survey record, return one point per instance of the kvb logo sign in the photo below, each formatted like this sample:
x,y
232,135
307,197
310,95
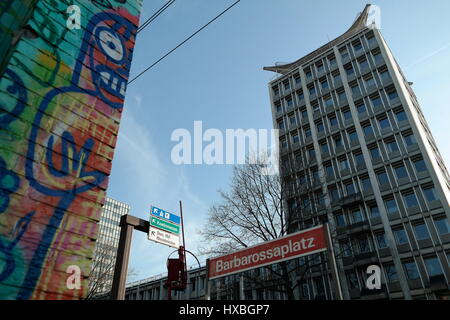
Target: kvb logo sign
x,y
298,244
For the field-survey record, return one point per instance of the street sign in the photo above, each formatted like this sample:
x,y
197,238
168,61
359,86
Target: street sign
x,y
164,237
295,245
165,215
164,225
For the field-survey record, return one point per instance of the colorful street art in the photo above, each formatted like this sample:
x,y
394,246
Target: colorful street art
x,y
61,98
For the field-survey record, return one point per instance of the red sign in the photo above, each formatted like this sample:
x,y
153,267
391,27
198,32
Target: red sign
x,y
295,245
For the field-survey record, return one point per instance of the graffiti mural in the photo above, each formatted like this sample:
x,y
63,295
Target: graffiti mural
x,y
61,98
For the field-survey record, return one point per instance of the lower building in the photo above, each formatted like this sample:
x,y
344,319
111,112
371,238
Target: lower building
x,y
105,252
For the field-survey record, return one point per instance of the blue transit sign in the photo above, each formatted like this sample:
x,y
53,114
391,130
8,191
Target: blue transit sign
x,y
165,215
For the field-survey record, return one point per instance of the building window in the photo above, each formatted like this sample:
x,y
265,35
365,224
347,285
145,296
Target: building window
x,y
359,158
347,114
343,164
333,121
281,125
276,91
391,206
420,165
430,194
374,211
342,97
421,231
289,102
364,245
392,146
346,248
324,84
300,96
361,108
297,79
320,127
350,188
433,266
352,280
344,53
355,90
442,225
382,178
353,136
365,183
375,152
363,64
378,58
368,130
337,79
329,102
381,241
287,85
357,46
392,94
410,200
338,141
340,220
376,102
400,236
384,123
401,172
356,216
304,114
296,138
411,270
312,90
370,82
391,273
324,147
307,132
410,139
292,120
401,116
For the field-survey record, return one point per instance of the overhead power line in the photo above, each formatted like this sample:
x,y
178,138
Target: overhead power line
x,y
184,41
155,15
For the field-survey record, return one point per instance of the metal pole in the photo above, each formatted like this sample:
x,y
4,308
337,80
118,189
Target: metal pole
x,y
123,254
332,258
208,283
241,287
127,224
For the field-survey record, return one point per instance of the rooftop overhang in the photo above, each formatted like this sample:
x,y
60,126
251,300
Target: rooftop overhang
x,y
359,24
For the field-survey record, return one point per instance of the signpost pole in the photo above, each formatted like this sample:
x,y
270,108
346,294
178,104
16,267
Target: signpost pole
x,y
332,258
128,223
241,287
208,283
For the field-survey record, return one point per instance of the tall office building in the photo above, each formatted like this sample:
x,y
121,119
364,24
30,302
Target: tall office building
x,y
105,252
356,151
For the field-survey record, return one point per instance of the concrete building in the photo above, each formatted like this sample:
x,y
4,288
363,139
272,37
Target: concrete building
x,y
106,246
356,151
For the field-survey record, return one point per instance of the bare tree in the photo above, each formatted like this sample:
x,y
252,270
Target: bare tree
x,y
102,271
253,211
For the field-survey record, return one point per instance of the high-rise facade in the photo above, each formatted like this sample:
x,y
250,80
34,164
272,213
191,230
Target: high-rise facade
x,y
356,151
105,251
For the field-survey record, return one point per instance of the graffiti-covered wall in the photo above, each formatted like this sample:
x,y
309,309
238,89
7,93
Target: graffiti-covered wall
x,y
62,90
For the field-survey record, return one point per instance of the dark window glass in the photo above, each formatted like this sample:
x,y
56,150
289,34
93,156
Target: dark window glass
x,y
353,136
320,127
374,211
410,200
347,114
365,182
401,172
384,123
391,273
333,121
392,146
381,240
367,130
391,206
411,270
410,140
400,236
352,280
361,108
401,116
430,194
383,178
375,152
442,226
420,165
376,102
421,231
350,188
340,221
433,266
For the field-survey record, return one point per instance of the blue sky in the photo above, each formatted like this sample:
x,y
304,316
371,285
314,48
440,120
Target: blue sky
x,y
217,77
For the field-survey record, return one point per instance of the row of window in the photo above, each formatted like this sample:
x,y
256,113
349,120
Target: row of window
x,y
433,267
319,67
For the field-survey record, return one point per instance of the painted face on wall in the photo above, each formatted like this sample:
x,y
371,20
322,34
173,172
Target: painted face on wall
x,y
108,56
